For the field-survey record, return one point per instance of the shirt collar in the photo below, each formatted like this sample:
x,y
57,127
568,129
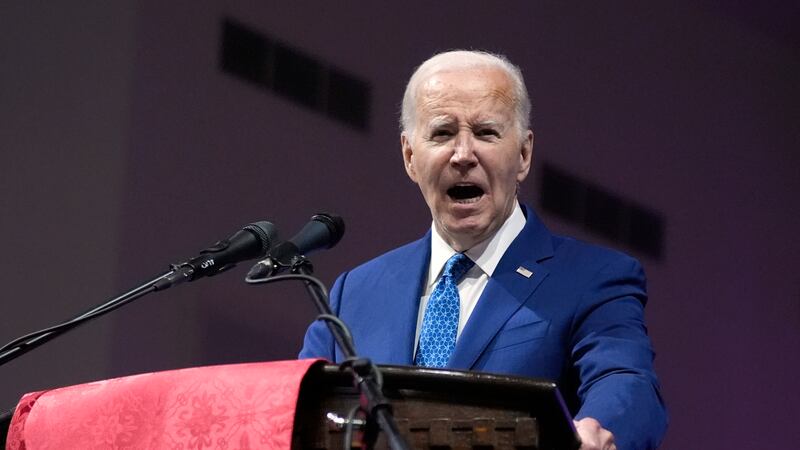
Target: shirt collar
x,y
486,254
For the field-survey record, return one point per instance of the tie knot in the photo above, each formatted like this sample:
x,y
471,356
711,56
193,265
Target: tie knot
x,y
457,266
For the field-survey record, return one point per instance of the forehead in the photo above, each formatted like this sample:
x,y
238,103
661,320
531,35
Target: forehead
x,y
466,92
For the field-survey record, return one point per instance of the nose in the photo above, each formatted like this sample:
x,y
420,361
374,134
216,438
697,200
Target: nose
x,y
464,150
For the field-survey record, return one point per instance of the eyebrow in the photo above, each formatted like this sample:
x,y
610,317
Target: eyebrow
x,y
439,121
488,123
445,120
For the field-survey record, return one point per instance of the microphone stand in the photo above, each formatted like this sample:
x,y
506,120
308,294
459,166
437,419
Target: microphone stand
x,y
365,374
28,342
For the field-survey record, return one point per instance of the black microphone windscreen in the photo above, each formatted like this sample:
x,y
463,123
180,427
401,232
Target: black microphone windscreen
x,y
266,232
335,225
322,231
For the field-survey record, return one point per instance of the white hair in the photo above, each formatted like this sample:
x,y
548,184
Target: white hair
x,y
460,59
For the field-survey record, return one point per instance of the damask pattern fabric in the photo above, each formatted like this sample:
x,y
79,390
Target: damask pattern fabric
x,y
437,340
239,406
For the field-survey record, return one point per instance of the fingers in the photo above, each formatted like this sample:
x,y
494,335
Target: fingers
x,y
593,435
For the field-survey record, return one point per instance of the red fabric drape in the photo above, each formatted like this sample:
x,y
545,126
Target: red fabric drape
x,y
240,406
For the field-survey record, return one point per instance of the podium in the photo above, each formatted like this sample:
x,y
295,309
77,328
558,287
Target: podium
x,y
434,409
440,409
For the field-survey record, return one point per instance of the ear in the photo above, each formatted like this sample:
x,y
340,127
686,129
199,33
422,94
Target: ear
x,y
525,156
408,156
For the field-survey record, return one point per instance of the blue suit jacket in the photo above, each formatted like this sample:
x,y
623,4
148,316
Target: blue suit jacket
x,y
577,320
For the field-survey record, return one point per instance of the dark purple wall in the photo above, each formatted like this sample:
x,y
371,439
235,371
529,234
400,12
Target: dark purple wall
x,y
65,73
688,110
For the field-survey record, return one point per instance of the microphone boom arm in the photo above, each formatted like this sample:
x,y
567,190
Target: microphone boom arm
x,y
253,240
24,344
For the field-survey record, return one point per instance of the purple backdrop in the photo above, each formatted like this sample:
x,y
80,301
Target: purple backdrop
x,y
125,149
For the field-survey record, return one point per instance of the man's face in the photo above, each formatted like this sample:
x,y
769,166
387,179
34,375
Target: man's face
x,y
466,152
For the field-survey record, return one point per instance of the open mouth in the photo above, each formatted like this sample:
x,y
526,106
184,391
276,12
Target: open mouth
x,y
465,193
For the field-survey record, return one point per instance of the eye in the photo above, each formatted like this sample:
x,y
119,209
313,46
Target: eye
x,y
487,132
441,134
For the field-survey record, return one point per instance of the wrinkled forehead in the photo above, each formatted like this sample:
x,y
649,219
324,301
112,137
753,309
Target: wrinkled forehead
x,y
484,90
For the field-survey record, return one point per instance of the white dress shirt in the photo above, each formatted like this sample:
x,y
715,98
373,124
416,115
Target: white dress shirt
x,y
486,256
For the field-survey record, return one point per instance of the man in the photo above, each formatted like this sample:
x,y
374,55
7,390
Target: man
x,y
489,288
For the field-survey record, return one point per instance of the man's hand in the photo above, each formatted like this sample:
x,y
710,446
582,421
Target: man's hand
x,y
593,435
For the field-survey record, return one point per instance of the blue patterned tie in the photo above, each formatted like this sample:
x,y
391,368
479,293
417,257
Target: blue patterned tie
x,y
437,339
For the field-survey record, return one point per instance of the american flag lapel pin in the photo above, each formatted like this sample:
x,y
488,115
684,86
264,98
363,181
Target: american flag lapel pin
x,y
524,272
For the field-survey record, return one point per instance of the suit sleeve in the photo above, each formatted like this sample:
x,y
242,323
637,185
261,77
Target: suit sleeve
x,y
319,342
614,358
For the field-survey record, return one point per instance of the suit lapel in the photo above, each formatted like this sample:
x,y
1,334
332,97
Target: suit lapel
x,y
505,292
400,303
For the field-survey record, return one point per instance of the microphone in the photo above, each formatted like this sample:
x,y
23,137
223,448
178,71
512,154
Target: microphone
x,y
252,241
322,232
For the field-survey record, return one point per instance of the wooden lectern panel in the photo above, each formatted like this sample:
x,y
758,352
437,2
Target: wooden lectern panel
x,y
440,409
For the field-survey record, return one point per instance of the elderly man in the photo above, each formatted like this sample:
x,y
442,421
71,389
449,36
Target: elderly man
x,y
489,288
